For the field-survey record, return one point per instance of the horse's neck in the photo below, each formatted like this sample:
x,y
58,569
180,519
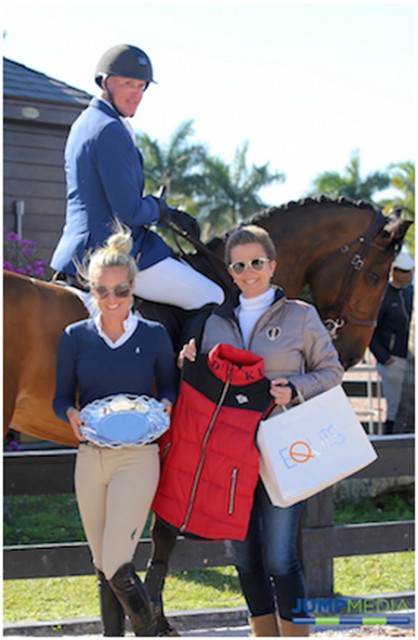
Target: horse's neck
x,y
305,237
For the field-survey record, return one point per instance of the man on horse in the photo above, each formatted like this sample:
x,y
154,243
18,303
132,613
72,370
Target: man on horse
x,y
105,180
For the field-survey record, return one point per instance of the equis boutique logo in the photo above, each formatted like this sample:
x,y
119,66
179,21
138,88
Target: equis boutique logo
x,y
301,451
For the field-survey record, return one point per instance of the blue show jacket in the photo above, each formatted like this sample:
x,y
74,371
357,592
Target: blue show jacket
x,y
105,179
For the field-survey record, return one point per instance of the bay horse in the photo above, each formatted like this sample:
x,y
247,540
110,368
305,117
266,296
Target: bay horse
x,y
343,250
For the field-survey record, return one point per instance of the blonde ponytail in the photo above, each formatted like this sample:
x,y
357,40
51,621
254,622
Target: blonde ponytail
x,y
116,252
120,241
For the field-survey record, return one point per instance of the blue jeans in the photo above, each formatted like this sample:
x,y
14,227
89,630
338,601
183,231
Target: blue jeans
x,y
267,561
392,376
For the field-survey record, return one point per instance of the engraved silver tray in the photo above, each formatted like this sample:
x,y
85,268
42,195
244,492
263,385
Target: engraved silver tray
x,y
124,420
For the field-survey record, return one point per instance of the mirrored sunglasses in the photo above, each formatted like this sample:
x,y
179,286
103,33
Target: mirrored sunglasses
x,y
256,263
122,290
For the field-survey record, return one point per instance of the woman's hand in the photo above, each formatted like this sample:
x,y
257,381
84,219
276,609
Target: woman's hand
x,y
189,352
281,393
168,405
76,421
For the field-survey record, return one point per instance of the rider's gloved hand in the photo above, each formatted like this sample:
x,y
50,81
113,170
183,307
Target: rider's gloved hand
x,y
181,219
186,222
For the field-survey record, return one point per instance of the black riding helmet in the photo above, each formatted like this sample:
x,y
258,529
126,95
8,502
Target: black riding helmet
x,y
126,61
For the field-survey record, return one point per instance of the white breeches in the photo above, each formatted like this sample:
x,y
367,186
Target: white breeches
x,y
174,282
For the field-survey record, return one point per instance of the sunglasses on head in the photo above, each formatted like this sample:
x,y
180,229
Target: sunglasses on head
x,y
256,263
122,290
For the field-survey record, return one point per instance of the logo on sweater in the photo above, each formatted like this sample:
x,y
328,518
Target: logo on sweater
x,y
273,333
241,398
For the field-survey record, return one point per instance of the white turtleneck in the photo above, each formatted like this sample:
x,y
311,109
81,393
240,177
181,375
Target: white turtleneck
x,y
250,309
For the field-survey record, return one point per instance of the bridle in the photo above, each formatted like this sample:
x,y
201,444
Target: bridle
x,y
339,307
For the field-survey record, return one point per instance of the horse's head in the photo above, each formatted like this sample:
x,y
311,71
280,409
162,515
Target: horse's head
x,y
351,295
344,251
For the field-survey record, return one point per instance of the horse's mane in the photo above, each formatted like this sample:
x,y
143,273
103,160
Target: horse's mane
x,y
303,204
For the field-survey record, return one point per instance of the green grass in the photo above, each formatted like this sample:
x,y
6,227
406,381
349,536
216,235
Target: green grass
x,y
379,573
45,519
76,597
41,520
386,508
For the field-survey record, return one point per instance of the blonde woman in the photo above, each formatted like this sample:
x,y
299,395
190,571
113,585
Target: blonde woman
x,y
114,352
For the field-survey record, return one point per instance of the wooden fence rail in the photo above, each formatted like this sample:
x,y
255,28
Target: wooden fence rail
x,y
51,472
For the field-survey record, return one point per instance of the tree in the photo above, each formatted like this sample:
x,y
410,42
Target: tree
x,y
174,166
402,178
350,184
231,191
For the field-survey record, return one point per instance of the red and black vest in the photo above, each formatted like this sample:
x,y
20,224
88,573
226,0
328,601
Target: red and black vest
x,y
210,462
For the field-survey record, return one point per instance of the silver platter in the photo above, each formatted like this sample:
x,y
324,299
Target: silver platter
x,y
124,421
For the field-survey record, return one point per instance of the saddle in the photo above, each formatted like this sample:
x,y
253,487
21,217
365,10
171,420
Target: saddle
x,y
65,279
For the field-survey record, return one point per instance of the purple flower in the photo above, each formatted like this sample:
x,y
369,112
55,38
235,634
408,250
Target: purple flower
x,y
13,445
20,255
12,237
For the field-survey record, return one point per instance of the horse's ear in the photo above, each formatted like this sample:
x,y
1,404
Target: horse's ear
x,y
395,229
395,213
396,226
401,231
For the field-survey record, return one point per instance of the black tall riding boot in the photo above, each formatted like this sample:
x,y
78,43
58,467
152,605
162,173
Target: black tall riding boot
x,y
134,599
154,584
389,427
111,610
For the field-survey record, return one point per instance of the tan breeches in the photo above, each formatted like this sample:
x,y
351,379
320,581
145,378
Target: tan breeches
x,y
114,489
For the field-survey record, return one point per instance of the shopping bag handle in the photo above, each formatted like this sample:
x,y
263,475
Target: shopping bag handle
x,y
283,406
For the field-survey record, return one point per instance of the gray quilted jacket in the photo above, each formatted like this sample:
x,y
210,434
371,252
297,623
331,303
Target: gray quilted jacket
x,y
289,336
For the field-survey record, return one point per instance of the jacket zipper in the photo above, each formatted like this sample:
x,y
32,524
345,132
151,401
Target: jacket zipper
x,y
165,452
403,306
234,476
392,341
204,445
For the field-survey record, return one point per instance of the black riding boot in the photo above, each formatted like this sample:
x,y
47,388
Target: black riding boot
x,y
154,584
389,427
134,599
111,610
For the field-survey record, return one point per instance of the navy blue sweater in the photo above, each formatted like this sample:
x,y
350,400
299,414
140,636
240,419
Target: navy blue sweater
x,y
89,369
391,335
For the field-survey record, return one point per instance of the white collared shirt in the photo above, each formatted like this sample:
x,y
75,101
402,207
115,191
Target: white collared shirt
x,y
129,326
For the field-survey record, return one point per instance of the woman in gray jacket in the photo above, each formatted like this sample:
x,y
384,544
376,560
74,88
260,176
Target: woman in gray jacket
x,y
299,358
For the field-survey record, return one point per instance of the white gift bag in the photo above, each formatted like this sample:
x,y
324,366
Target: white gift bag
x,y
311,447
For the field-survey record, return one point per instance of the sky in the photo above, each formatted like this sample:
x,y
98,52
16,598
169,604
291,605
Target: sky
x,y
306,84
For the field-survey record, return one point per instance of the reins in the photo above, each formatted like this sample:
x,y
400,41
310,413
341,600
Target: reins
x,y
339,306
222,276
197,244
